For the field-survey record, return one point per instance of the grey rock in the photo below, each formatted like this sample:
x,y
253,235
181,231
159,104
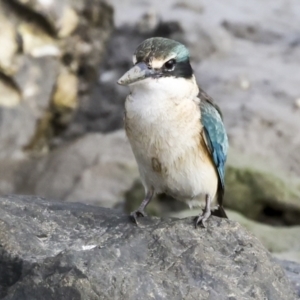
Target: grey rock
x,y
55,250
97,168
252,32
292,270
282,241
18,124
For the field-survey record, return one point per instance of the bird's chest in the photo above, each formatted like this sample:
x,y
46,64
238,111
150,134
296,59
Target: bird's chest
x,y
160,133
165,139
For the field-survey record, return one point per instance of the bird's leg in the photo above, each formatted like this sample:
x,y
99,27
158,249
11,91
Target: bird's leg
x,y
140,211
206,212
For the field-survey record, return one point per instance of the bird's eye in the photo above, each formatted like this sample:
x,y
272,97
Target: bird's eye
x,y
170,65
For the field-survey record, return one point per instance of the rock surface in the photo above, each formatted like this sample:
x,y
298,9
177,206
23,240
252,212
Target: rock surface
x,y
54,250
282,241
292,270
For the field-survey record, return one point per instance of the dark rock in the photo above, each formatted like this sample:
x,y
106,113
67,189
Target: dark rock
x,y
51,250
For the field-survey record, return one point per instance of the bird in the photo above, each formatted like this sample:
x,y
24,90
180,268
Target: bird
x,y
175,129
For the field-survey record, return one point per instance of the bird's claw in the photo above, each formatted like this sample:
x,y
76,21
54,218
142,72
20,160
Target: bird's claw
x,y
201,220
136,214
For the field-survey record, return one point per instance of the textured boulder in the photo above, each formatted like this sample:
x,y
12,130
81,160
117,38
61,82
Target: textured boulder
x,y
54,250
282,241
292,270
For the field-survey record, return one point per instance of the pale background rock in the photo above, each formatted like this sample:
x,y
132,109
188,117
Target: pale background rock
x,y
97,168
49,58
285,245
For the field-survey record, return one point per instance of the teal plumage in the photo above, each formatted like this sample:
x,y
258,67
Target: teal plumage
x,y
216,138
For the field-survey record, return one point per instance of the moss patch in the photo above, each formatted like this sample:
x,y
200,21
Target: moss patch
x,y
262,196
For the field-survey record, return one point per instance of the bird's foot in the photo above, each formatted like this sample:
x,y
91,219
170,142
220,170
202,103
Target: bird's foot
x,y
137,214
201,220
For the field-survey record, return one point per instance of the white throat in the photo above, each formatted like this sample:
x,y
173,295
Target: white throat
x,y
153,100
164,89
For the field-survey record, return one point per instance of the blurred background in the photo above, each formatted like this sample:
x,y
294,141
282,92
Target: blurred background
x,y
61,127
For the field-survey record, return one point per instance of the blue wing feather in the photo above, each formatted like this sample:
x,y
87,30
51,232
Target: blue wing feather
x,y
215,135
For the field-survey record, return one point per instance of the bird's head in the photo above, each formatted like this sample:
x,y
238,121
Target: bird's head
x,y
157,58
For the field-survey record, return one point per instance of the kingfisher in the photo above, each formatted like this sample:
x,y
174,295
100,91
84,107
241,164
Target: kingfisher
x,y
175,129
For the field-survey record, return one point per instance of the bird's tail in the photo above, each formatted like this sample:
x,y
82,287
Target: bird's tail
x,y
220,212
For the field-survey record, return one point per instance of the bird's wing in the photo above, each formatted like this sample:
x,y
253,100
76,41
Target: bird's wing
x,y
214,134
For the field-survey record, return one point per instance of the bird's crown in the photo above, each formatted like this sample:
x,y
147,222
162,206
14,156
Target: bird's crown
x,y
160,49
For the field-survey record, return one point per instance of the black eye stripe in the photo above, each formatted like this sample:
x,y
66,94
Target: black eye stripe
x,y
181,69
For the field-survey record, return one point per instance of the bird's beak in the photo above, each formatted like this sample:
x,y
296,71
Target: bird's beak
x,y
138,72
